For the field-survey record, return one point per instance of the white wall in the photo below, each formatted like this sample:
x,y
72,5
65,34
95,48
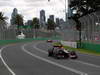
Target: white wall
x,y
68,43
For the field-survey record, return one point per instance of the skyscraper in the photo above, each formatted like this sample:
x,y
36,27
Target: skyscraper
x,y
57,21
13,16
42,18
51,17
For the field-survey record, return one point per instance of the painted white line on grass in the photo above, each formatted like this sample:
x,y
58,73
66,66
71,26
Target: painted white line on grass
x,y
5,64
53,63
85,63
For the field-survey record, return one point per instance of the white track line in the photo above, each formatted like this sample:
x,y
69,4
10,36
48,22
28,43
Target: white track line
x,y
89,64
5,64
51,62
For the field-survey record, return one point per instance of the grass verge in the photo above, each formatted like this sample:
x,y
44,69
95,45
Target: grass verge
x,y
84,51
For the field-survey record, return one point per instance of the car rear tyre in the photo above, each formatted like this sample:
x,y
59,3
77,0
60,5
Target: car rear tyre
x,y
49,54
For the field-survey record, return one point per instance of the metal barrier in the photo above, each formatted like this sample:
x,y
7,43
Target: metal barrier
x,y
4,42
90,46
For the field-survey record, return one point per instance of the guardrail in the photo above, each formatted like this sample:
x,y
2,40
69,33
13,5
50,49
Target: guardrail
x,y
90,46
4,42
69,43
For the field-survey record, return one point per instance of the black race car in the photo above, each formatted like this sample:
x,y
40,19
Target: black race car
x,y
57,52
60,52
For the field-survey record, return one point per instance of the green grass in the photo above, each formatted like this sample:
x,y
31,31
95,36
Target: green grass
x,y
58,43
85,51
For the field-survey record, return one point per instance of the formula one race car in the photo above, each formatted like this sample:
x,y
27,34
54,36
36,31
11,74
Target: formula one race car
x,y
57,52
60,52
49,41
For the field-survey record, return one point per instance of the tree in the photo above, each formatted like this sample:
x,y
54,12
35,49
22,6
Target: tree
x,y
83,8
50,25
2,16
35,23
2,20
19,20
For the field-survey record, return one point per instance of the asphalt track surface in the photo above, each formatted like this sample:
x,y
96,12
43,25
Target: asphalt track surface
x,y
32,59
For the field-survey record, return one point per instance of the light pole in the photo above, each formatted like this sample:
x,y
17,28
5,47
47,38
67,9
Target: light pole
x,y
65,12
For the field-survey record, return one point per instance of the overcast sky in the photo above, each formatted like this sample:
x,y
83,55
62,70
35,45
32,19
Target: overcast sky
x,y
31,8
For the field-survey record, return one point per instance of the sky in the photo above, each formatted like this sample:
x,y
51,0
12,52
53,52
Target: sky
x,y
31,8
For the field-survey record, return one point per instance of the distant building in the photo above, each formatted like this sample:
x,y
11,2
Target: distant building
x,y
51,17
42,18
62,23
13,16
29,22
57,22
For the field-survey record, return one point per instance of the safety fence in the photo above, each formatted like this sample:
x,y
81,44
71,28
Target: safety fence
x,y
11,34
90,46
90,28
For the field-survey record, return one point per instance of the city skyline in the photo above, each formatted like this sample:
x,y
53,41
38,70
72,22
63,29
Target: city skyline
x,y
31,8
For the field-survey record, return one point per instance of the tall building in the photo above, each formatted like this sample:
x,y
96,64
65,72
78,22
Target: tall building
x,y
62,23
51,17
29,22
57,22
42,18
13,16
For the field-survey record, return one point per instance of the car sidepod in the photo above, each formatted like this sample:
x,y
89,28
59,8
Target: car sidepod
x,y
61,54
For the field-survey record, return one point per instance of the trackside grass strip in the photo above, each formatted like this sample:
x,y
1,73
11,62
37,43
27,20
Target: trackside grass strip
x,y
85,51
